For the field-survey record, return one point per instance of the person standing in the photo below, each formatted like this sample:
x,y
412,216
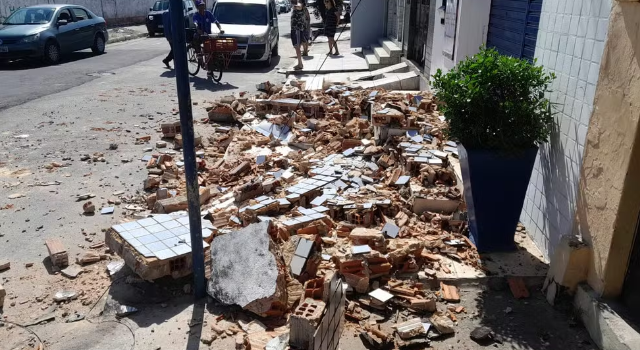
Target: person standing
x,y
298,36
307,28
331,21
168,34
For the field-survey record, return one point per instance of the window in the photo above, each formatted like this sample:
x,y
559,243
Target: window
x,y
239,13
80,14
161,6
66,15
31,16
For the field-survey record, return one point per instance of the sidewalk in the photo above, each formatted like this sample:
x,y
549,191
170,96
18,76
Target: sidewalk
x,y
119,34
350,60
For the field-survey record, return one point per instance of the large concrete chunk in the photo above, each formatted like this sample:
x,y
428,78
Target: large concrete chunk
x,y
245,271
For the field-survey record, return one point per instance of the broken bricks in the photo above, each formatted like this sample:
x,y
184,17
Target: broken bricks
x,y
57,253
88,208
3,294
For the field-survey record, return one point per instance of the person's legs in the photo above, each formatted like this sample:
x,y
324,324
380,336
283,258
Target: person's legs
x,y
335,44
296,40
169,57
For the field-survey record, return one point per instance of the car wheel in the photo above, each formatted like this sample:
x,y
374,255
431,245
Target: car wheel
x,y
52,52
267,62
98,44
274,52
152,34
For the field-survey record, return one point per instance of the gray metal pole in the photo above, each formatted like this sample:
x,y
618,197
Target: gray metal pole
x,y
188,144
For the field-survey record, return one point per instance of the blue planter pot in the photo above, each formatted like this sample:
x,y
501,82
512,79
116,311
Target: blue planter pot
x,y
495,185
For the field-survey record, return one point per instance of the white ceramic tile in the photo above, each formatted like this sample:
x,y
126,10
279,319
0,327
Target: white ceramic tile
x,y
155,228
584,24
118,228
125,235
171,242
162,235
180,230
138,232
165,254
146,239
162,218
134,242
171,224
156,246
130,225
146,222
184,220
145,251
181,249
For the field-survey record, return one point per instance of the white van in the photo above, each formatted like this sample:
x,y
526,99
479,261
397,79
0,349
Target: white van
x,y
254,24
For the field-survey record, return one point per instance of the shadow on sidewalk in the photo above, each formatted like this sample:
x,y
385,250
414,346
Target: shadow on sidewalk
x,y
203,83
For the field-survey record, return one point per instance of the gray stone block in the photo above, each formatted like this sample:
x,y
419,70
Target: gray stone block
x,y
245,271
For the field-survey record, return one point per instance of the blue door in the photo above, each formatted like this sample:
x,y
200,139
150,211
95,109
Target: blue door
x,y
513,27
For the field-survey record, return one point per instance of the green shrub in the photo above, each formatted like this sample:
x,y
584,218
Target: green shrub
x,y
496,102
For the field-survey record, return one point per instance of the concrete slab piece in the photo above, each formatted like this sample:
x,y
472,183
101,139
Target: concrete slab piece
x,y
244,269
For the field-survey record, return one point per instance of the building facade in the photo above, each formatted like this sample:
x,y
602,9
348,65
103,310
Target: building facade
x,y
585,179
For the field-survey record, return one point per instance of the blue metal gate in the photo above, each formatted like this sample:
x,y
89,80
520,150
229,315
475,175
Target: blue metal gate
x,y
513,27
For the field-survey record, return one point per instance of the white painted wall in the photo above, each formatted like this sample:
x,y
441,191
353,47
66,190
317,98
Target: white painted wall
x,y
471,33
112,10
570,43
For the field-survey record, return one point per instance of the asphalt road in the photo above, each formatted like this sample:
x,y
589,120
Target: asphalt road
x,y
24,81
56,115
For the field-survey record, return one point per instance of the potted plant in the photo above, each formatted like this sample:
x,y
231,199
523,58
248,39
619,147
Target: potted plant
x,y
498,112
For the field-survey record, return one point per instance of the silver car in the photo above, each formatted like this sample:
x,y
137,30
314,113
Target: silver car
x,y
49,31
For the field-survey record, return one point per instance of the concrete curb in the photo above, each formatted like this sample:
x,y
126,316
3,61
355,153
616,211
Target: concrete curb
x,y
127,38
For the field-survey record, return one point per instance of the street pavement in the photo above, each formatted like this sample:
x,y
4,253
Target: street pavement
x,y
51,116
25,81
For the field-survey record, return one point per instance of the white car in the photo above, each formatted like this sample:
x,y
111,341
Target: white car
x,y
254,25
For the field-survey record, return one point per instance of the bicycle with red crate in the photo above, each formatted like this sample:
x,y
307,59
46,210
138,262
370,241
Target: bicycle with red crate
x,y
210,53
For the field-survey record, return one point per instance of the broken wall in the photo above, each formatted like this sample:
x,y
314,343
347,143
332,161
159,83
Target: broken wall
x,y
571,40
609,198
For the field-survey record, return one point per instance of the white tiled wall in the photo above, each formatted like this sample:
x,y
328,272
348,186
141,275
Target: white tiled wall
x,y
570,43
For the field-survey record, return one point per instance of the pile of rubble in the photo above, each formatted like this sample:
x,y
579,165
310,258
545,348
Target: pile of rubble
x,y
307,192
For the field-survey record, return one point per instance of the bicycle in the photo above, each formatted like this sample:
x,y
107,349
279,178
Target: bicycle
x,y
213,55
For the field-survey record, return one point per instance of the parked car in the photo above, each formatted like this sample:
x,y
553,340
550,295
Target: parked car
x,y
49,31
254,25
154,17
284,6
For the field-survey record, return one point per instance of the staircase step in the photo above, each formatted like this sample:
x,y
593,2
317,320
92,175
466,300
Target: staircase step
x,y
392,49
313,83
382,55
393,81
372,60
400,67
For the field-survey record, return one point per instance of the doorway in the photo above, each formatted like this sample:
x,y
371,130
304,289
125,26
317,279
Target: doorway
x,y
419,22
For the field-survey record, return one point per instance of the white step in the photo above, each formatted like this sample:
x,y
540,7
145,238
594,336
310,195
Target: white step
x,y
400,67
372,60
382,55
313,83
392,49
393,81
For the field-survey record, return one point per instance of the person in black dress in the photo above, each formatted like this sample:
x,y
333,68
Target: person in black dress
x,y
331,21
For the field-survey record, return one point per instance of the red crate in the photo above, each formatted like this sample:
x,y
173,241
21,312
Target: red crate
x,y
220,45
